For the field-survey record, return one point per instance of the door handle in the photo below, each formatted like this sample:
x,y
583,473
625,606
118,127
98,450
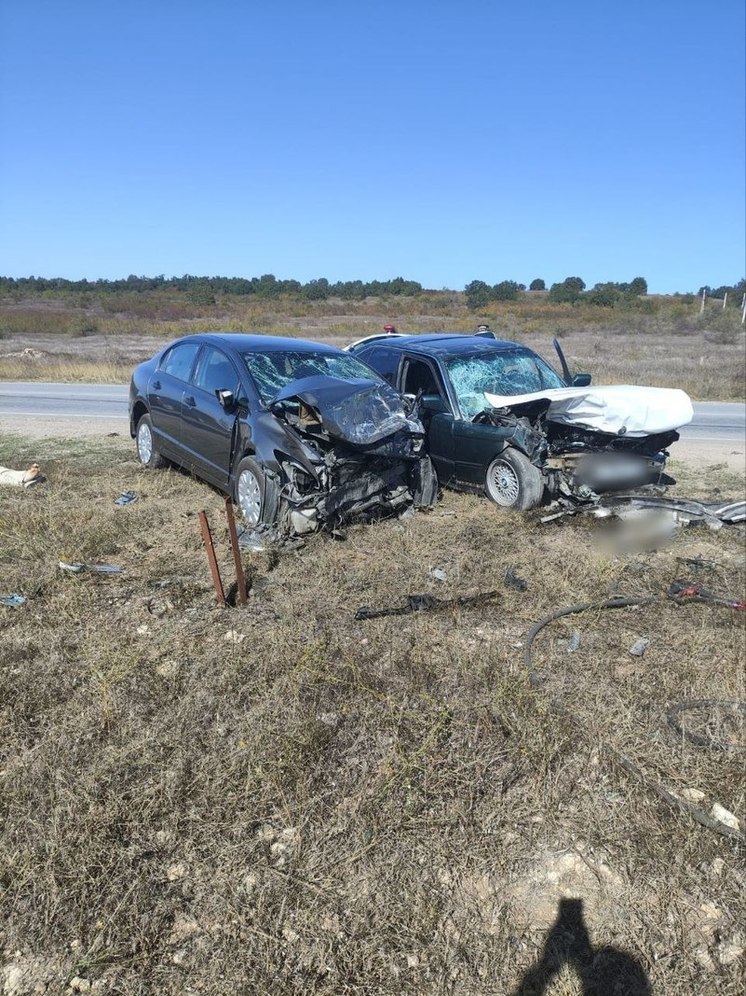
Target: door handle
x,y
190,401
156,385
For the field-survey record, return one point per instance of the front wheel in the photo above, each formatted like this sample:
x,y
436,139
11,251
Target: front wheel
x,y
512,481
147,453
256,493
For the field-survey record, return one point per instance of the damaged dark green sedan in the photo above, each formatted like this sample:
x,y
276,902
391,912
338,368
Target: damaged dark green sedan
x,y
501,420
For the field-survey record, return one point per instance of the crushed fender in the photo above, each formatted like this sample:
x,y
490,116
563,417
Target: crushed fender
x,y
425,602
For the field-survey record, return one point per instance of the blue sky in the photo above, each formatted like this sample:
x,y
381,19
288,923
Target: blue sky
x,y
443,142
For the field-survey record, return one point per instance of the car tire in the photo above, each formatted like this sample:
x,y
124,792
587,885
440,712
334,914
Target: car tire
x,y
147,453
512,481
255,493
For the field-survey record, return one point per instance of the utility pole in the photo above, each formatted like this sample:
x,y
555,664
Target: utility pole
x,y
702,306
725,300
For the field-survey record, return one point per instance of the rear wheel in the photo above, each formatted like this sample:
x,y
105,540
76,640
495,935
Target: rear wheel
x,y
512,481
147,452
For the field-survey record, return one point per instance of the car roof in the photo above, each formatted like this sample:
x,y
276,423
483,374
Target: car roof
x,y
248,342
444,344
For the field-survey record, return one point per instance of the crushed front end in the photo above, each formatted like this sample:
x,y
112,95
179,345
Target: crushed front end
x,y
364,454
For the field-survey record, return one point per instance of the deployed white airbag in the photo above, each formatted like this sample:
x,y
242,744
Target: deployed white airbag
x,y
618,408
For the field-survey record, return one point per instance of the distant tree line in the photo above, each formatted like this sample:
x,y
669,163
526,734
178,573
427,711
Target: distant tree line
x,y
478,293
735,292
203,290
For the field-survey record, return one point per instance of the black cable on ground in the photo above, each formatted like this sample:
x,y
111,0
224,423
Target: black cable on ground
x,y
687,704
697,814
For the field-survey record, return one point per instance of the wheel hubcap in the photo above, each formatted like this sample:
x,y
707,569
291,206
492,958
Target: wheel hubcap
x,y
144,443
504,485
249,497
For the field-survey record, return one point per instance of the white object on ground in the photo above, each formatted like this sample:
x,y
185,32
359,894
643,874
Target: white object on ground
x,y
20,478
725,816
638,411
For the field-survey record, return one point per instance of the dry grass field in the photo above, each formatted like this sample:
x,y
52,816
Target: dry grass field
x,y
280,799
661,341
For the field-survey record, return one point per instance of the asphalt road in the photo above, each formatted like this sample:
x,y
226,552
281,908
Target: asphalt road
x,y
715,421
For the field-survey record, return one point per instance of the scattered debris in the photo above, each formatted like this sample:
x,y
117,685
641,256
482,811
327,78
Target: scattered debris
x,y
12,601
78,568
176,871
724,717
421,603
514,580
438,574
574,641
719,812
21,478
710,821
127,497
690,591
266,537
698,562
692,794
639,647
678,511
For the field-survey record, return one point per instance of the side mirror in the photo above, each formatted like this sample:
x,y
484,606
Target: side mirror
x,y
581,380
227,399
433,404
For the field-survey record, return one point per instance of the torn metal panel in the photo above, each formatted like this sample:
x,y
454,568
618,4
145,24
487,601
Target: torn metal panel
x,y
617,409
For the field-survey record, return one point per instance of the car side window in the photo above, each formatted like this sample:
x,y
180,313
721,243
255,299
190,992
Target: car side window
x,y
420,379
384,361
215,372
179,360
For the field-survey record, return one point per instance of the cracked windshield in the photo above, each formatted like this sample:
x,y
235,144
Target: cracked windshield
x,y
509,372
274,370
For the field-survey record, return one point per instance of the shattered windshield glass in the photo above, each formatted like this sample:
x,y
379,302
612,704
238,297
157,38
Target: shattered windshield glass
x,y
274,370
509,371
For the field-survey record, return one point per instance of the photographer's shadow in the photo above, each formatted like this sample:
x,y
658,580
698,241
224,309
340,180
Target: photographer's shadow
x,y
604,971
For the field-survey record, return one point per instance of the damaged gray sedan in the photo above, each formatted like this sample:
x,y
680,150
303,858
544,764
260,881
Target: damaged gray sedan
x,y
301,435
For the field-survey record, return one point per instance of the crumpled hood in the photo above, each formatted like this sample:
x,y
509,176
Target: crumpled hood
x,y
618,408
357,411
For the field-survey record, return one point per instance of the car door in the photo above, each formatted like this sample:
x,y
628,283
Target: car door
x,y
165,392
420,376
208,426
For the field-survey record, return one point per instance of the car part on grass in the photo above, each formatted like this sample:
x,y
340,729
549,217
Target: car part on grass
x,y
682,511
265,537
736,706
425,602
13,601
697,814
127,498
217,581
690,591
78,568
514,581
21,478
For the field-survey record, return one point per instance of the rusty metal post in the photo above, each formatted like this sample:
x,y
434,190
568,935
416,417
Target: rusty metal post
x,y
240,577
214,569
